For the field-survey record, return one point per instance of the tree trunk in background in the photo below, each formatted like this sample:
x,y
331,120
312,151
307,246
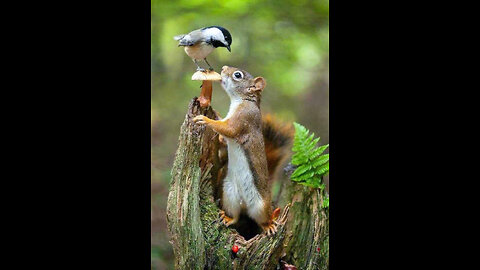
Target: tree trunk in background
x,y
201,241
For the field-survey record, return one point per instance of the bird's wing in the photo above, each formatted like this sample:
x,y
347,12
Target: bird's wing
x,y
190,39
186,42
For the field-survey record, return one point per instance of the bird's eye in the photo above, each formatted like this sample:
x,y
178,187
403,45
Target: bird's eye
x,y
237,75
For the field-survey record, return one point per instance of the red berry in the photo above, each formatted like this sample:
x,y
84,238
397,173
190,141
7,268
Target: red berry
x,y
318,249
235,248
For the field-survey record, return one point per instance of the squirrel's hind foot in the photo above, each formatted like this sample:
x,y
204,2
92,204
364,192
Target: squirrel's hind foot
x,y
270,229
226,219
276,213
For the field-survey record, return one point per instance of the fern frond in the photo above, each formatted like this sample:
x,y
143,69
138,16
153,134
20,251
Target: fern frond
x,y
311,164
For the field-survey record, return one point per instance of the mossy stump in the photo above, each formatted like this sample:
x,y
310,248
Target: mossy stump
x,y
201,241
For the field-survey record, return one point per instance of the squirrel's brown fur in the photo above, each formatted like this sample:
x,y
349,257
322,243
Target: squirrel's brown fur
x,y
278,139
255,149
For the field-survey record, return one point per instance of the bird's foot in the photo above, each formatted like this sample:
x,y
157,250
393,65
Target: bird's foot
x,y
201,69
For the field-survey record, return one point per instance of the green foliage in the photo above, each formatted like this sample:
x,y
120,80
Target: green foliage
x,y
326,202
311,164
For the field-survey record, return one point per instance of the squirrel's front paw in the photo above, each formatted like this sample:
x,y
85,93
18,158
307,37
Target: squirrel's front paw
x,y
199,119
222,140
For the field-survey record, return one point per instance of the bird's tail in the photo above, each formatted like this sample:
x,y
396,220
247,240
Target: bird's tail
x,y
183,40
178,37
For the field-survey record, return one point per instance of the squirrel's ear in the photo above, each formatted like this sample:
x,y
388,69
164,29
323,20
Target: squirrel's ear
x,y
259,83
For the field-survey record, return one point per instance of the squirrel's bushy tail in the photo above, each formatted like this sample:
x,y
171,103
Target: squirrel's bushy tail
x,y
278,138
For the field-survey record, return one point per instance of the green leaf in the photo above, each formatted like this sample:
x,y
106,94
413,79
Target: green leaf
x,y
315,181
306,176
326,202
309,184
301,169
318,151
298,160
311,164
312,144
320,160
323,169
322,186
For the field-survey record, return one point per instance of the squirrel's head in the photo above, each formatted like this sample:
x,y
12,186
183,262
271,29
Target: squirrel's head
x,y
240,84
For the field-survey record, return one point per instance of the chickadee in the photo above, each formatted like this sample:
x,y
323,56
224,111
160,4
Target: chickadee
x,y
201,42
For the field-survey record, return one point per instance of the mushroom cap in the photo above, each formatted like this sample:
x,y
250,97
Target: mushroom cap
x,y
208,75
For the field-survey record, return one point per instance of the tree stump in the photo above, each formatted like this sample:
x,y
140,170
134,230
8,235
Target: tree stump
x,y
201,241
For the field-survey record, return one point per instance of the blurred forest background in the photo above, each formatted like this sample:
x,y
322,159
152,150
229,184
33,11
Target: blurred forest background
x,y
285,41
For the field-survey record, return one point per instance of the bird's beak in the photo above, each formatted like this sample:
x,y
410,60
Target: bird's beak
x,y
228,47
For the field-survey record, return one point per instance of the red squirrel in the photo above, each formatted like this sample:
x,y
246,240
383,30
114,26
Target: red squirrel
x,y
255,149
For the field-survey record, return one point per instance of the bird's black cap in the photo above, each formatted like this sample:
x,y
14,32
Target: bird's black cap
x,y
226,34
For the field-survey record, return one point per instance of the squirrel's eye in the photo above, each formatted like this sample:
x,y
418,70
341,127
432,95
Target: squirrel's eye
x,y
237,75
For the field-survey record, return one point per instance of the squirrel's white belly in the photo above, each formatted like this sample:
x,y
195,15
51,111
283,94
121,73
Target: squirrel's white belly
x,y
239,184
199,51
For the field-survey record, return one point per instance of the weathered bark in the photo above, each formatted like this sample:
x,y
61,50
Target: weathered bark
x,y
308,221
201,241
